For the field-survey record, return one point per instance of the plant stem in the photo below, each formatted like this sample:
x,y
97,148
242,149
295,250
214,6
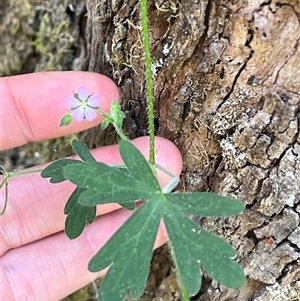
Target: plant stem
x,y
4,182
8,175
115,124
22,173
5,199
149,79
120,131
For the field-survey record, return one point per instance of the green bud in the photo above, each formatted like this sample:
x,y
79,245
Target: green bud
x,y
66,120
115,106
117,113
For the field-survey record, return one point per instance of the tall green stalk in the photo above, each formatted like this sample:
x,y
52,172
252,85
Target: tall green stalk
x,y
149,78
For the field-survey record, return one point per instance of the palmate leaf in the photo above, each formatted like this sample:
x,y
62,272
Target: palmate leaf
x,y
128,252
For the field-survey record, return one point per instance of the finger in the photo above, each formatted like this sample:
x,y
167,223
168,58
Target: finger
x,y
48,269
32,105
35,208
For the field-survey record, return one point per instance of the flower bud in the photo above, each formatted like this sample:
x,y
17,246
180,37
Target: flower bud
x,y
66,120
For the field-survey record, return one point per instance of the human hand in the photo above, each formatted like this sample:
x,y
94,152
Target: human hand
x,y
38,261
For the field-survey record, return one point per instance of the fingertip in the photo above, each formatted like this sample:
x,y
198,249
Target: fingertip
x,y
167,153
33,104
168,156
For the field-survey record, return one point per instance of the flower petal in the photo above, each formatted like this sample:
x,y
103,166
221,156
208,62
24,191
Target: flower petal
x,y
78,114
72,102
90,114
83,93
94,101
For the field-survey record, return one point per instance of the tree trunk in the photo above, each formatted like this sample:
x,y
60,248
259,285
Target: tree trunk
x,y
227,85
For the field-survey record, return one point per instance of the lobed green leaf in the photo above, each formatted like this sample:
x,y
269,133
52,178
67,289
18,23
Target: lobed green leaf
x,y
106,184
78,214
128,252
55,171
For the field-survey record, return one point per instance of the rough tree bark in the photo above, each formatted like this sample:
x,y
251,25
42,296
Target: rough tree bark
x,y
227,87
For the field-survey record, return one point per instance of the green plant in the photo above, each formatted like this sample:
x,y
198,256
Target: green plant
x,y
128,252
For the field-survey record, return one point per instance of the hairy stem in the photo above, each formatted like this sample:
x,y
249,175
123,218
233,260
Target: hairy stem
x,y
149,79
115,124
120,132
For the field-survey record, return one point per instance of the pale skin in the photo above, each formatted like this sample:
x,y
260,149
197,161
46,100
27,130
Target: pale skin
x,y
38,261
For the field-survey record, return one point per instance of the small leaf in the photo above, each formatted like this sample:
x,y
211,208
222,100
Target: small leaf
x,y
206,204
117,114
66,120
137,164
129,253
55,170
82,151
78,214
104,124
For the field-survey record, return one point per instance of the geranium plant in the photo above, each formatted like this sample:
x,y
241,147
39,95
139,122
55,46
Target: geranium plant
x,y
128,252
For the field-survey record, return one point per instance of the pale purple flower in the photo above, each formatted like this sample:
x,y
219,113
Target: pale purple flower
x,y
83,105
